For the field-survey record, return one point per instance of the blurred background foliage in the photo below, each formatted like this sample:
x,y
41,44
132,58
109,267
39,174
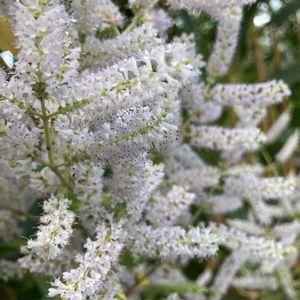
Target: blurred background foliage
x,y
269,47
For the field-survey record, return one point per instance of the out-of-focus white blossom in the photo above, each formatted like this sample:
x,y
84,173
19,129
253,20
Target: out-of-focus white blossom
x,y
217,138
263,188
278,127
10,270
246,226
170,243
136,181
161,20
201,110
165,209
226,41
207,6
286,280
195,179
227,272
222,204
173,296
261,248
4,7
250,94
288,148
256,283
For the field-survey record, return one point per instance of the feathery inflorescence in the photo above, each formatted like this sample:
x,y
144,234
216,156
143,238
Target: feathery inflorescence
x,y
104,120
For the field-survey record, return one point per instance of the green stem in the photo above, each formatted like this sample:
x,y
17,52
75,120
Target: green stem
x,y
19,212
270,164
140,280
48,141
47,133
196,215
138,19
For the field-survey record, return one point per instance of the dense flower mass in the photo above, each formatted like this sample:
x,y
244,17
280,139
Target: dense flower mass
x,y
103,120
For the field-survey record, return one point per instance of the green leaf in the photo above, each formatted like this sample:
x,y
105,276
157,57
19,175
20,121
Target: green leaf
x,y
42,284
10,248
107,33
75,204
290,75
107,201
284,13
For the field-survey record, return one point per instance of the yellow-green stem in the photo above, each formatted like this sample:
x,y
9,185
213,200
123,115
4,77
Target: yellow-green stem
x,y
48,142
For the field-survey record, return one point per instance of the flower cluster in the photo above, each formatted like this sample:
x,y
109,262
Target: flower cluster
x,y
104,120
